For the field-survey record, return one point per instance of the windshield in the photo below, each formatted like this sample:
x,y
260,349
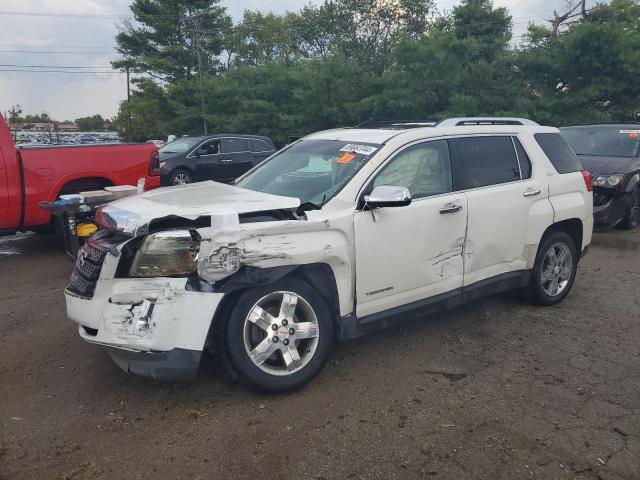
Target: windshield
x,y
603,141
311,170
181,145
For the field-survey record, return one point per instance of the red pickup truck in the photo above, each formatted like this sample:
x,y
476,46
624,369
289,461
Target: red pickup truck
x,y
29,175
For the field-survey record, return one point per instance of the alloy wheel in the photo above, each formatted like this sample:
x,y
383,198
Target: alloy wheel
x,y
281,333
557,268
181,179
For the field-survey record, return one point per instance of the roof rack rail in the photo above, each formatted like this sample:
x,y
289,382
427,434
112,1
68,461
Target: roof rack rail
x,y
397,124
462,121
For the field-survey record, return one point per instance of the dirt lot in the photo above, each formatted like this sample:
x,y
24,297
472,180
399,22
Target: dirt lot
x,y
497,390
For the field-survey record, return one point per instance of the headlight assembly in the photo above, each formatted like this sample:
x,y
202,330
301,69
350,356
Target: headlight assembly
x,y
118,220
172,253
607,180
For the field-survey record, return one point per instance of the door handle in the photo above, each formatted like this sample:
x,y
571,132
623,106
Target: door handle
x,y
531,192
450,208
226,160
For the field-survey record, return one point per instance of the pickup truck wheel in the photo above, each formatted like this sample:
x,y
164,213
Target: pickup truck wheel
x,y
278,337
632,218
555,269
180,176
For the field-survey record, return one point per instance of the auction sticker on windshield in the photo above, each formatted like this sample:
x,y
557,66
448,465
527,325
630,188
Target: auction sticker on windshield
x,y
361,149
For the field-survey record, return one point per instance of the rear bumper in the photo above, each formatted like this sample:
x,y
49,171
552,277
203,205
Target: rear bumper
x,y
610,213
152,182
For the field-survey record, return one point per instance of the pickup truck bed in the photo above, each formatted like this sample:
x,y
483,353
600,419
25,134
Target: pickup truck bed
x,y
30,175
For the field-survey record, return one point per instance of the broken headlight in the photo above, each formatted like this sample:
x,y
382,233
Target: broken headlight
x,y
173,253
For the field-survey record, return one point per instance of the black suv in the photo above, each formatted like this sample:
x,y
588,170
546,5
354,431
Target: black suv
x,y
611,153
222,158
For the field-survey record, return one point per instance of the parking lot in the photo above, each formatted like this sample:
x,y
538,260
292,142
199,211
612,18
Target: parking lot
x,y
497,389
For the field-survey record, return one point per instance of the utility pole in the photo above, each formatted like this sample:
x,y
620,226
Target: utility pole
x,y
128,105
198,39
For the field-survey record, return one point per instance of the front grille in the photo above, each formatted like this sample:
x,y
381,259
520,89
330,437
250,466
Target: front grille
x,y
86,270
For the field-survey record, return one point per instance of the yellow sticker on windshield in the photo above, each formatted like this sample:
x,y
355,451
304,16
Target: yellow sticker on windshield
x,y
346,158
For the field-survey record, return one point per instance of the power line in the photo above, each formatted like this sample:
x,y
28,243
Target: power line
x,y
53,66
71,72
46,52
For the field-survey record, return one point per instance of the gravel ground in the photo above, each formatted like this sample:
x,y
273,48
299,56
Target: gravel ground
x,y
498,389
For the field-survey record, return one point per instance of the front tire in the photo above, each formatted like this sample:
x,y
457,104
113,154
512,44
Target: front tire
x,y
555,269
180,176
279,336
632,218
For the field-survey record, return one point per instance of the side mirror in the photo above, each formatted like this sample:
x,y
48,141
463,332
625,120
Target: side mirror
x,y
388,196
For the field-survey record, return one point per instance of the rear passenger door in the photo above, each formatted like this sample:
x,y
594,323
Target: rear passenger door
x,y
505,202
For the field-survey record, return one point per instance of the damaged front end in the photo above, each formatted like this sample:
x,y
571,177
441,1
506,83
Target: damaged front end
x,y
147,286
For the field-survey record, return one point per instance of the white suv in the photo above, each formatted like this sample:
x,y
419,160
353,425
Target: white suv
x,y
341,233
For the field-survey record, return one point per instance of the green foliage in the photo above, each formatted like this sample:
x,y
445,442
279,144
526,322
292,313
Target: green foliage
x,y
345,61
172,33
90,124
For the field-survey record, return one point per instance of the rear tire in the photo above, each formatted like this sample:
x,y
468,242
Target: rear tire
x,y
180,176
632,218
555,269
278,336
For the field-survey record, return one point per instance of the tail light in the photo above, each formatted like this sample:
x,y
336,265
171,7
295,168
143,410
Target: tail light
x,y
154,166
587,180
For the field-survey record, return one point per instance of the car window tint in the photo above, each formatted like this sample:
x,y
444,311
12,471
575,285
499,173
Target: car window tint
x,y
561,156
485,161
424,169
233,145
260,146
523,158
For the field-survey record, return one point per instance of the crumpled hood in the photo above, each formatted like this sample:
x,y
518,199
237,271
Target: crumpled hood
x,y
189,201
607,165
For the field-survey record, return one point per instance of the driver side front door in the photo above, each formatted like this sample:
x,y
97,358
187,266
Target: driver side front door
x,y
413,253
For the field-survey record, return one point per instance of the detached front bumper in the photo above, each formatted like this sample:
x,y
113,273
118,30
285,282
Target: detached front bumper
x,y
610,207
150,327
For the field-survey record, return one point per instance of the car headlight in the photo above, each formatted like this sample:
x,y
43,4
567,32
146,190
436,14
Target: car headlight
x,y
172,253
607,180
119,220
162,164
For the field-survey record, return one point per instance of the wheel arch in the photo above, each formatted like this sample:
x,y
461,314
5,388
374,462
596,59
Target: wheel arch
x,y
83,183
183,167
632,183
319,275
573,227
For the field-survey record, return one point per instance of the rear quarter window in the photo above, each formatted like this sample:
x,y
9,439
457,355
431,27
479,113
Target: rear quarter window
x,y
258,146
558,152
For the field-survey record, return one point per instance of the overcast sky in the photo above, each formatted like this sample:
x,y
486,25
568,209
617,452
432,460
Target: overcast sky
x,y
88,41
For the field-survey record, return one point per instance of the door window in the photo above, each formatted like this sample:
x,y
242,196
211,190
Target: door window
x,y
211,147
485,161
424,169
235,145
523,159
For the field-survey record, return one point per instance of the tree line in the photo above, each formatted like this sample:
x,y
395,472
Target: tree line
x,y
14,117
346,61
